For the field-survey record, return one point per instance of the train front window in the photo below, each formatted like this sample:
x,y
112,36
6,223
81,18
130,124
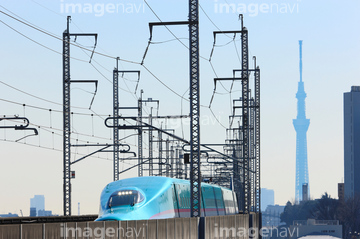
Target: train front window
x,y
125,197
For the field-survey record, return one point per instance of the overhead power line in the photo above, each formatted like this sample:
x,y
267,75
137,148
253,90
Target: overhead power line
x,y
38,42
58,38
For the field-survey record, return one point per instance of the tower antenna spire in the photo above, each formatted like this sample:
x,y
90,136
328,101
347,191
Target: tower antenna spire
x,y
301,125
300,50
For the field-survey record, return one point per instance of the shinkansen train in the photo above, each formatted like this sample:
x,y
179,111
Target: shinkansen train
x,y
144,198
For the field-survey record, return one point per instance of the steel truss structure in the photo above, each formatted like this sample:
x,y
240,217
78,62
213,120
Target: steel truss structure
x,y
236,165
243,140
195,173
116,147
66,115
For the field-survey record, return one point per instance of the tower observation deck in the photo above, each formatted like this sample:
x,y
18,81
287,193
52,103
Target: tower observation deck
x,y
301,125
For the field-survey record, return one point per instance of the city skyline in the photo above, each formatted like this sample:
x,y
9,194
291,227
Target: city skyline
x,y
273,39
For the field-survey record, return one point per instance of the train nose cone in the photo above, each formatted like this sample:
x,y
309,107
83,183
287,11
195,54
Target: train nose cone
x,y
115,217
128,216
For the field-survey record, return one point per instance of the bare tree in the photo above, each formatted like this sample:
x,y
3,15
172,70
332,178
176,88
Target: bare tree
x,y
349,213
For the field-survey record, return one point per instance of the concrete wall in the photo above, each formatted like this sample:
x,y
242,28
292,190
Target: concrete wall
x,y
173,228
223,227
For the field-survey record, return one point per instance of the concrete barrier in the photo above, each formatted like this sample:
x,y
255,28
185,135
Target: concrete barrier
x,y
170,228
31,231
218,227
141,229
10,231
52,230
194,222
232,226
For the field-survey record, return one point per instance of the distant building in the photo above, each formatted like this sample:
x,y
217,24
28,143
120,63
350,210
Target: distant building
x,y
267,198
33,212
305,192
352,141
341,192
9,215
37,202
313,227
44,213
271,216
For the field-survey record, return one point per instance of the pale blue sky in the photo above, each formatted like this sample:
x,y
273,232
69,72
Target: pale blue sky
x,y
331,50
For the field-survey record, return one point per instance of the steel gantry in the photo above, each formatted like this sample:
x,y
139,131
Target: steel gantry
x,y
140,136
245,115
257,139
116,108
244,144
116,122
150,162
66,120
66,114
195,175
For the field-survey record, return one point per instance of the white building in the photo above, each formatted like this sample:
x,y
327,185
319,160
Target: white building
x,y
316,228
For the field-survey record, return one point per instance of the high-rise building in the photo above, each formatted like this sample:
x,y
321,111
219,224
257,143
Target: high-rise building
x,y
305,192
301,125
267,198
341,192
33,212
44,213
271,216
352,141
38,202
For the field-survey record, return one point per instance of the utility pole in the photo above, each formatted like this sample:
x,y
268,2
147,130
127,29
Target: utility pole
x,y
116,120
246,142
195,173
167,168
160,152
245,114
140,141
151,166
66,120
140,102
257,138
66,114
116,108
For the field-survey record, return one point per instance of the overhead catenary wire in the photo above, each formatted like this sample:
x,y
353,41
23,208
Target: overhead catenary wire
x,y
47,109
177,38
36,42
151,74
95,52
59,150
52,131
37,97
208,17
105,55
62,54
56,37
163,83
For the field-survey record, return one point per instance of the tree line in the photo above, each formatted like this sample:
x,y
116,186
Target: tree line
x,y
347,212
